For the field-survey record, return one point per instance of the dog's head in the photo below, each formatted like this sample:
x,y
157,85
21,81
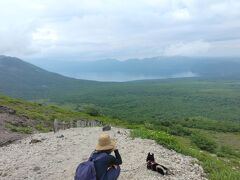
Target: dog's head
x,y
150,157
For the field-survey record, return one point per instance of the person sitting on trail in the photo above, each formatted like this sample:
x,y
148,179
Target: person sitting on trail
x,y
107,167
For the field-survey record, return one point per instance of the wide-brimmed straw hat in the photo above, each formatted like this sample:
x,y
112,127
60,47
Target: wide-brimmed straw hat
x,y
105,142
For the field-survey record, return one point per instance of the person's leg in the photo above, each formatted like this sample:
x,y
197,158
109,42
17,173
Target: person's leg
x,y
113,173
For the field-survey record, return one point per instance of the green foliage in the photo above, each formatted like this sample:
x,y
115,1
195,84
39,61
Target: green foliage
x,y
167,100
226,151
42,128
41,115
24,130
209,124
179,130
90,109
203,142
159,136
39,112
172,127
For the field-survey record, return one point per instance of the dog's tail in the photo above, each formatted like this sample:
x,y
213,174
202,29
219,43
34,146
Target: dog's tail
x,y
162,170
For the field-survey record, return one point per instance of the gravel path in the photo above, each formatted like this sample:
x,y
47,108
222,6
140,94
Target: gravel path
x,y
57,158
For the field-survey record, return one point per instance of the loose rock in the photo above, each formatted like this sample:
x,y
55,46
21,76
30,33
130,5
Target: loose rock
x,y
34,141
36,168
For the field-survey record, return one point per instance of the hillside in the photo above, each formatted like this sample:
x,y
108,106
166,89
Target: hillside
x,y
21,79
19,118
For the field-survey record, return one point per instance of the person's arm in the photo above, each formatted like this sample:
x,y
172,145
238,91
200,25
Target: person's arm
x,y
118,156
117,160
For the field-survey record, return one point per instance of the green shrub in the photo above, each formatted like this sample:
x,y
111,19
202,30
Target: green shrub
x,y
24,130
160,137
42,128
150,126
92,110
178,130
166,123
203,142
226,151
210,124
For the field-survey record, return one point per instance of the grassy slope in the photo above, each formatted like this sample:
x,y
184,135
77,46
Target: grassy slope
x,y
217,167
43,115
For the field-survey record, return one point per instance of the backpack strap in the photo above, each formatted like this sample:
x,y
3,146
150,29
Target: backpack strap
x,y
99,156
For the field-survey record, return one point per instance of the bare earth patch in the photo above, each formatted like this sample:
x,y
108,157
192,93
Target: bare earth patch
x,y
57,158
6,136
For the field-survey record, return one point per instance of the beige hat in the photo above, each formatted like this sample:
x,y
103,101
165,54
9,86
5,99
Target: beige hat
x,y
105,142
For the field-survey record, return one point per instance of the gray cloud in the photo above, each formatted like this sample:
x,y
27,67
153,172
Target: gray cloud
x,y
98,29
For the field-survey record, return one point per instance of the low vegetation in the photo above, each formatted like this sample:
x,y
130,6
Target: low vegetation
x,y
203,142
42,115
24,130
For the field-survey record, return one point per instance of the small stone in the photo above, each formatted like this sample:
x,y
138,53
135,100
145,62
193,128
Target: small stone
x,y
61,136
35,141
4,174
36,168
106,128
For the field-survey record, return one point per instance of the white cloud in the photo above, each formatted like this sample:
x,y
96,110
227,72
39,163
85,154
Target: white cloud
x,y
181,14
118,29
44,34
196,48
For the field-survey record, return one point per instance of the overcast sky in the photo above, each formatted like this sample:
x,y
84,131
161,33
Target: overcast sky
x,y
121,29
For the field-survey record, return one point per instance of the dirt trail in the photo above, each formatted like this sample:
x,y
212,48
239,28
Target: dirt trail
x,y
57,158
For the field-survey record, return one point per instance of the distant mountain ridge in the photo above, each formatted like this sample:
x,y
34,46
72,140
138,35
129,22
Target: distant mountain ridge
x,y
21,79
155,68
24,80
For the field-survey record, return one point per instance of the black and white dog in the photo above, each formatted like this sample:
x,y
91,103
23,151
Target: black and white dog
x,y
152,165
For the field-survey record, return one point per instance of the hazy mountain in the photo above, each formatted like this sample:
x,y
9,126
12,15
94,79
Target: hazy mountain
x,y
149,68
21,79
